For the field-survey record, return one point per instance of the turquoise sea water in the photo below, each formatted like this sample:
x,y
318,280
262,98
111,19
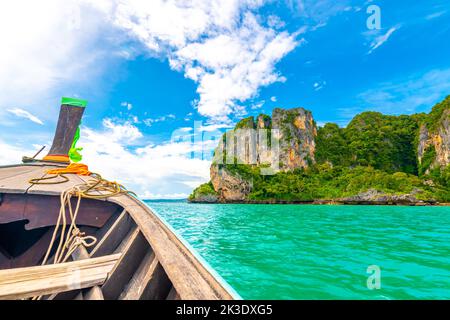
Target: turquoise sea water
x,y
319,252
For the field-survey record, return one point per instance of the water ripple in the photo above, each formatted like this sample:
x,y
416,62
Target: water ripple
x,y
320,252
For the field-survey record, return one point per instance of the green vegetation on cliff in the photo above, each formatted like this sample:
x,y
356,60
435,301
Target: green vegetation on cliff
x,y
324,181
332,146
371,139
428,158
434,118
203,191
246,123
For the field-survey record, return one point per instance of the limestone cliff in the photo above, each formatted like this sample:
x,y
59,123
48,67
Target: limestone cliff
x,y
435,143
252,142
229,186
297,133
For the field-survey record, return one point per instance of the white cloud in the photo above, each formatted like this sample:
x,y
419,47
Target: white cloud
x,y
153,171
127,105
273,99
319,11
274,21
221,45
435,15
319,85
213,127
121,131
257,105
381,39
188,116
150,121
25,114
50,48
11,153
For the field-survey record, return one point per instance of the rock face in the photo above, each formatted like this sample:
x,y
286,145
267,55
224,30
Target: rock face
x,y
439,140
208,198
230,187
297,133
373,196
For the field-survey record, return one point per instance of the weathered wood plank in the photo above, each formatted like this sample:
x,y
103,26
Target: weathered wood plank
x,y
173,294
150,282
114,236
134,288
125,241
24,283
15,179
100,233
68,122
79,296
9,172
79,254
20,183
94,293
157,284
132,254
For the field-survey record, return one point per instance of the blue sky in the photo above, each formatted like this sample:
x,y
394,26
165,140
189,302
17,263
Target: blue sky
x,y
152,69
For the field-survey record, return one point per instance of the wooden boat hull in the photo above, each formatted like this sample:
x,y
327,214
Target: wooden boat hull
x,y
137,255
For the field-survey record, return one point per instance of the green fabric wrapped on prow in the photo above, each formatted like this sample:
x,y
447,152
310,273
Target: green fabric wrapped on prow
x,y
74,102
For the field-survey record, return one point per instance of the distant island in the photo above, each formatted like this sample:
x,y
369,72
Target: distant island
x,y
375,159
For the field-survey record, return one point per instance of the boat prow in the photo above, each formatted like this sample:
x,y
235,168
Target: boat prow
x,y
136,255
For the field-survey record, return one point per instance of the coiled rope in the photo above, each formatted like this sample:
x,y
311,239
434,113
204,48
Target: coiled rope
x,y
95,188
